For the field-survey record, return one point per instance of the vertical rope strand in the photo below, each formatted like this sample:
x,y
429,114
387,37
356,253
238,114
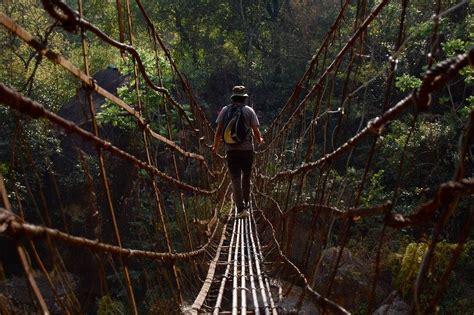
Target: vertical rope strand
x,y
103,174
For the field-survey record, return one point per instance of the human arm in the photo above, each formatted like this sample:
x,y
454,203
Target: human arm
x,y
217,138
219,128
257,135
254,124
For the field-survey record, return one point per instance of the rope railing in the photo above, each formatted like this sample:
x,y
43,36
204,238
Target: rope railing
x,y
282,192
271,189
335,63
71,20
10,225
339,213
306,76
446,193
420,216
184,82
323,302
419,100
35,110
199,301
91,84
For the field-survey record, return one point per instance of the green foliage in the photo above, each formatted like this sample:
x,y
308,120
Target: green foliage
x,y
111,114
3,168
466,110
100,56
470,99
468,74
49,85
404,268
107,306
458,298
454,46
266,46
151,101
458,46
407,82
422,29
375,190
410,263
465,267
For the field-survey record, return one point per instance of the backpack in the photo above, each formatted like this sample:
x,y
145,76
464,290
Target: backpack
x,y
235,131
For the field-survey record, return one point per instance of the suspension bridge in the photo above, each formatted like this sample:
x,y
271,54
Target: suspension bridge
x,y
304,200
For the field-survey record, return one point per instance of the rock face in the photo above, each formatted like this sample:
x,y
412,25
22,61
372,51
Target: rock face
x,y
16,297
394,307
77,109
286,304
352,280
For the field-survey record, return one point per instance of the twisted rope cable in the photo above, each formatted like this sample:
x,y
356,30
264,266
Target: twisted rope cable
x,y
25,105
70,20
419,99
323,302
11,225
89,82
316,87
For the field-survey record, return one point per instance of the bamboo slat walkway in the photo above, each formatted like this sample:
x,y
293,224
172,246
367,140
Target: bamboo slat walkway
x,y
236,282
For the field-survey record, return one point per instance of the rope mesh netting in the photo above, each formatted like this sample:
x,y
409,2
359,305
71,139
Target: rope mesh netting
x,y
156,202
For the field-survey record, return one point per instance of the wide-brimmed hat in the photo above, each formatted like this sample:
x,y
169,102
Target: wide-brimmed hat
x,y
238,90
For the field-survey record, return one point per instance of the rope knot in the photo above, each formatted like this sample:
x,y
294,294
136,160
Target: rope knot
x,y
422,99
6,217
470,57
63,13
372,128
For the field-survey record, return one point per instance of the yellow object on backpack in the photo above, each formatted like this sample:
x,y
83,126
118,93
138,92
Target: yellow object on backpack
x,y
235,130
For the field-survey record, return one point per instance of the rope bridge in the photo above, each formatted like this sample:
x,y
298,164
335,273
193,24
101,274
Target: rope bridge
x,y
309,192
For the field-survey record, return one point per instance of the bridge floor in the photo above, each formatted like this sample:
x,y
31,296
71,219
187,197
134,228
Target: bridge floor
x,y
236,282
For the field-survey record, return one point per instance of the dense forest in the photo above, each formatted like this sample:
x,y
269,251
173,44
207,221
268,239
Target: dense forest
x,y
278,49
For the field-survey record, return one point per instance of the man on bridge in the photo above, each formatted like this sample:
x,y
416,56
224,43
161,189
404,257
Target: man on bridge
x,y
237,126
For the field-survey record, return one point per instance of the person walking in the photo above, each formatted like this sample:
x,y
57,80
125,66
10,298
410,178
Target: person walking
x,y
237,127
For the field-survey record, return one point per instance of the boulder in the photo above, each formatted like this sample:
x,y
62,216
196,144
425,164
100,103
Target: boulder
x,y
351,282
16,296
393,305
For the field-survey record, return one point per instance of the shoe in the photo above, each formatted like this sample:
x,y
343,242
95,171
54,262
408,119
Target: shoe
x,y
242,215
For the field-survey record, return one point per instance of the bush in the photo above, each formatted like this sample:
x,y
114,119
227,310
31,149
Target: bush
x,y
107,306
457,298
